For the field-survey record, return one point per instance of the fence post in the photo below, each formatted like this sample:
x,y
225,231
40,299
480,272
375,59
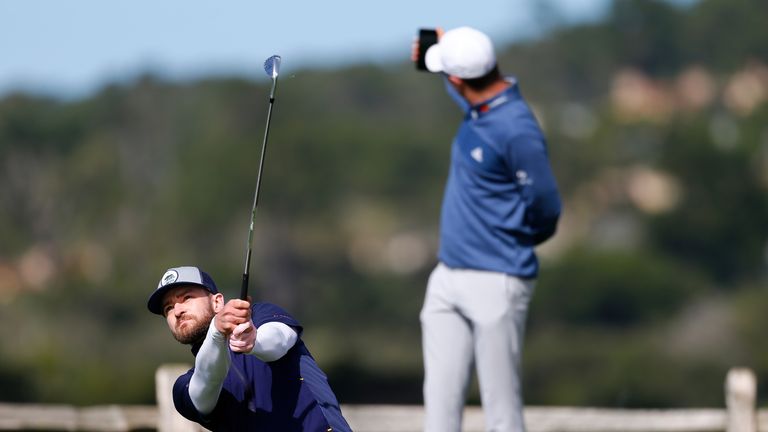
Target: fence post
x,y
740,396
168,419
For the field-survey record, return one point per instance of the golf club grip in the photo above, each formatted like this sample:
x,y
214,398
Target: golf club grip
x,y
244,287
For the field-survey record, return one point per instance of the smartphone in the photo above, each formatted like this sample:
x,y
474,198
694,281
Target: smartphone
x,y
427,38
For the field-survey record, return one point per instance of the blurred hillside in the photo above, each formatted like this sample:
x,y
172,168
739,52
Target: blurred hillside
x,y
654,286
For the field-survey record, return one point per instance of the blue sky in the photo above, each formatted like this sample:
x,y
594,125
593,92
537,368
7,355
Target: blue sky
x,y
72,47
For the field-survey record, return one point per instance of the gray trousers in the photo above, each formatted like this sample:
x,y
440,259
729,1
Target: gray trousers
x,y
478,317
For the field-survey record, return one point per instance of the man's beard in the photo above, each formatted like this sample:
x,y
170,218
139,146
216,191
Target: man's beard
x,y
196,329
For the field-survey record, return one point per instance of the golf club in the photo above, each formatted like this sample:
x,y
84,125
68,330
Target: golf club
x,y
272,68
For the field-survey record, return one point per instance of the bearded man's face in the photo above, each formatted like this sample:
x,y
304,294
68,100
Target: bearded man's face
x,y
188,310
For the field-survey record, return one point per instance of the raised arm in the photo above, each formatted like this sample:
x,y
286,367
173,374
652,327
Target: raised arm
x,y
212,361
211,367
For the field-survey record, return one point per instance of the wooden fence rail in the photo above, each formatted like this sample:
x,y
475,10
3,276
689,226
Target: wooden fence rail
x,y
739,415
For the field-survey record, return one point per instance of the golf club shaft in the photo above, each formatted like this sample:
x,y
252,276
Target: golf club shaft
x,y
247,270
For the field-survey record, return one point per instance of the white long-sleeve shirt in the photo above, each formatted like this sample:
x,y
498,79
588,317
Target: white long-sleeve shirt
x,y
273,340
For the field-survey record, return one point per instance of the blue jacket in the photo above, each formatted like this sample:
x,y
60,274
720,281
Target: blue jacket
x,y
501,197
287,395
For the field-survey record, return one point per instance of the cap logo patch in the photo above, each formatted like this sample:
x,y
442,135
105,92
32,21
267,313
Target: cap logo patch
x,y
169,277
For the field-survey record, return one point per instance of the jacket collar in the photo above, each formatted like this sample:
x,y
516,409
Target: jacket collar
x,y
475,111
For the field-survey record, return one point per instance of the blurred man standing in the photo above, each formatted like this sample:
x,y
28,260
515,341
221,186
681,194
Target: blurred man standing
x,y
500,201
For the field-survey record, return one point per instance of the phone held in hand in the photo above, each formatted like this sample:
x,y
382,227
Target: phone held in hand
x,y
427,38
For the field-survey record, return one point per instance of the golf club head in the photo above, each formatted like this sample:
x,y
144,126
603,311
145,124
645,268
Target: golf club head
x,y
272,66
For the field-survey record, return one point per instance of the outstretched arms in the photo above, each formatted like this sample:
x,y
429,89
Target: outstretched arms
x,y
233,329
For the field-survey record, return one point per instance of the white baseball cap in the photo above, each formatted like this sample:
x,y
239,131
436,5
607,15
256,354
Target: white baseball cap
x,y
463,52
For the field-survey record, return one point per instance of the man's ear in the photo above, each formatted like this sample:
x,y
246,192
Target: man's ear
x,y
459,85
217,302
455,80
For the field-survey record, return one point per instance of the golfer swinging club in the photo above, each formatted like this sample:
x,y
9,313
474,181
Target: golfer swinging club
x,y
252,371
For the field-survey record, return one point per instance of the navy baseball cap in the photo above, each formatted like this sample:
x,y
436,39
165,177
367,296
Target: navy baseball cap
x,y
175,276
